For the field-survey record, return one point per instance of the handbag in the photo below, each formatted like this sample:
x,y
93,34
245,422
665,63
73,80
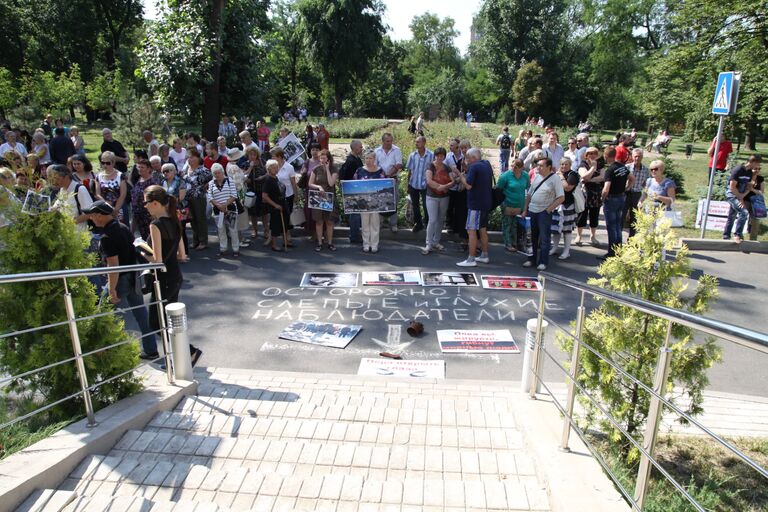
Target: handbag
x,y
297,217
579,201
758,206
675,217
250,199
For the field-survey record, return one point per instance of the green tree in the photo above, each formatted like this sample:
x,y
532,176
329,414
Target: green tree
x,y
342,37
117,19
633,338
443,92
385,92
133,115
104,90
431,46
528,88
8,94
44,242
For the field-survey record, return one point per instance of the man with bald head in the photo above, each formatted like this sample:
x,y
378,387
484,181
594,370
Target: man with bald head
x,y
347,172
110,144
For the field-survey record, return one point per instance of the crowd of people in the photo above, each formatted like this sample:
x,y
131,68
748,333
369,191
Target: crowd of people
x,y
242,183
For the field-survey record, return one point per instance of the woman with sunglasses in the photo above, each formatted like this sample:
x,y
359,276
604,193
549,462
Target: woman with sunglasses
x,y
111,185
177,187
165,239
141,216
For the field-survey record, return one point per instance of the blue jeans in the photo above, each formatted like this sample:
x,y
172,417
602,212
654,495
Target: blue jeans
x,y
504,159
613,208
355,224
736,211
541,226
128,294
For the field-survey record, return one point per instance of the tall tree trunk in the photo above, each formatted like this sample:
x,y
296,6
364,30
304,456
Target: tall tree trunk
x,y
751,134
212,106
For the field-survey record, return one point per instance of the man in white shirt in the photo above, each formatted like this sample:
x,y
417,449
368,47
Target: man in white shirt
x,y
226,128
153,147
554,150
247,141
390,159
12,145
73,197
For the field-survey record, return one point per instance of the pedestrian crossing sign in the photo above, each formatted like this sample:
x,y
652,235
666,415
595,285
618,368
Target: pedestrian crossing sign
x,y
725,94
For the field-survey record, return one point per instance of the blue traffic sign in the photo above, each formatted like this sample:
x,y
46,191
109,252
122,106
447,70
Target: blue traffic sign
x,y
724,94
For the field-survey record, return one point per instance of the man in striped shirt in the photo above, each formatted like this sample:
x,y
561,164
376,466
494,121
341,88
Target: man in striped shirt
x,y
418,164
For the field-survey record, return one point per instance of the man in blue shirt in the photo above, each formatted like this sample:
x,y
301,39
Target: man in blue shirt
x,y
418,164
479,184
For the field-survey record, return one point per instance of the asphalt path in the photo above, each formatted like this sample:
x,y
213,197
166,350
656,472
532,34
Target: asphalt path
x,y
237,308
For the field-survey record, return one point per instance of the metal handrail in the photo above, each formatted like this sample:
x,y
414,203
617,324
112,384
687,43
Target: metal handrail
x,y
741,336
72,320
79,272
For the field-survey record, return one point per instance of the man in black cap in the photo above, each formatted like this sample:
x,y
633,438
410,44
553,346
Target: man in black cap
x,y
117,248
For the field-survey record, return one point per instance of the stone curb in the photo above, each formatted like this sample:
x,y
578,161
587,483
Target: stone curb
x,y
747,246
45,464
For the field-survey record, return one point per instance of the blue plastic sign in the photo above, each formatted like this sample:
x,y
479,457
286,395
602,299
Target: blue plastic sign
x,y
724,94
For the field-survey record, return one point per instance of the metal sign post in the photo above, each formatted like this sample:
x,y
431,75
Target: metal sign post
x,y
724,104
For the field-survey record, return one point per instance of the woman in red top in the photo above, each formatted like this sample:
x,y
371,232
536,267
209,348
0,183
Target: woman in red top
x,y
262,136
726,148
439,182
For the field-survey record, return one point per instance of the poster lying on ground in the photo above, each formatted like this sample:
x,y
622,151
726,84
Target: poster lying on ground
x,y
510,283
398,278
319,200
291,147
329,280
321,333
368,196
402,368
458,341
449,279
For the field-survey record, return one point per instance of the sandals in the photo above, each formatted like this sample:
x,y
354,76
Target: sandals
x,y
331,247
318,248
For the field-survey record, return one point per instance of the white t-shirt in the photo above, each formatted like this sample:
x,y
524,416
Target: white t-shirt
x,y
179,158
284,176
66,202
19,148
387,160
546,193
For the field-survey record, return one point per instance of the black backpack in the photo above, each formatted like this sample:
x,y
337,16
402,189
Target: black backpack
x,y
505,142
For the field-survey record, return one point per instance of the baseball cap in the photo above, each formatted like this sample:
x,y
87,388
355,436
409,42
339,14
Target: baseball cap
x,y
100,206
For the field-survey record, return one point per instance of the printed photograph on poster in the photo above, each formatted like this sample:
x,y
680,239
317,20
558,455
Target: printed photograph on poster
x,y
398,278
530,284
459,341
434,369
449,279
36,203
321,333
329,280
368,196
291,147
319,200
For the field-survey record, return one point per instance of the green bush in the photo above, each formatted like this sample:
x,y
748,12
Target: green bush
x,y
347,128
48,242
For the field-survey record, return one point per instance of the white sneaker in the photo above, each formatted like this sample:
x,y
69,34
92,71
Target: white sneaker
x,y
426,250
439,247
527,264
483,259
564,256
467,263
541,267
552,251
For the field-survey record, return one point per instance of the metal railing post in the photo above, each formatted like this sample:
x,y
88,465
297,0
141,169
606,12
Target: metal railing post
x,y
163,330
654,418
536,362
575,367
75,336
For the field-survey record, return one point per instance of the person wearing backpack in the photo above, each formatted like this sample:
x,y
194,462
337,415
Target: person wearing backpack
x,y
73,197
504,141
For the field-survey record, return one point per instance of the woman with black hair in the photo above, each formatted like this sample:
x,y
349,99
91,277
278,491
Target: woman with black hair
x,y
165,239
83,173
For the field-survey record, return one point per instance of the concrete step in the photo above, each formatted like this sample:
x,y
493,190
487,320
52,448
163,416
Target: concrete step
x,y
306,457
503,436
199,484
128,503
47,500
294,398
464,413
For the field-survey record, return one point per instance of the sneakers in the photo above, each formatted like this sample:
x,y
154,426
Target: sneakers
x,y
469,262
426,250
541,267
564,256
439,247
528,264
483,259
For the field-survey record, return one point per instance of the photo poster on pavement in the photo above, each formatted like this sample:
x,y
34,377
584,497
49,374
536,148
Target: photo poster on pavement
x,y
321,333
329,280
457,341
433,369
368,196
397,278
527,284
449,279
319,200
36,203
718,214
291,147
